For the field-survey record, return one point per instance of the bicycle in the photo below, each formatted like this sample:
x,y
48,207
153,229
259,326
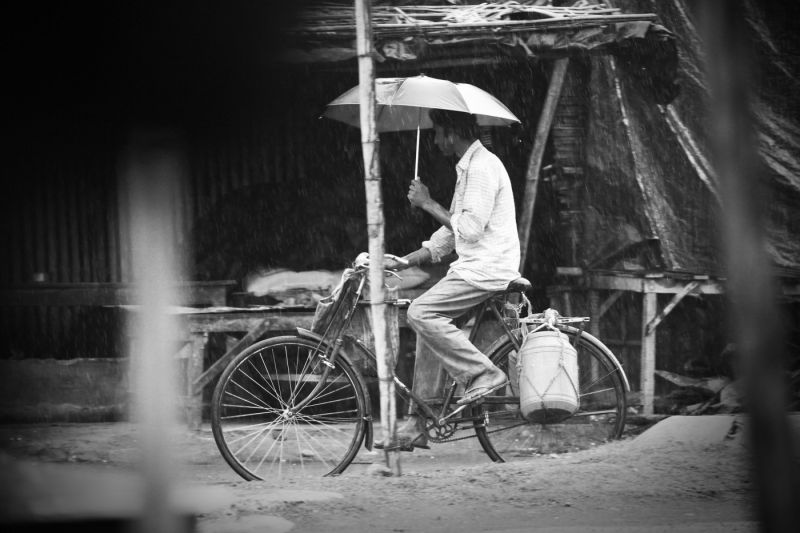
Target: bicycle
x,y
298,402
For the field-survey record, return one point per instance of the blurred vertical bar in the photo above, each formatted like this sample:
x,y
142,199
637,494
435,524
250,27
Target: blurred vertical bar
x,y
152,169
755,317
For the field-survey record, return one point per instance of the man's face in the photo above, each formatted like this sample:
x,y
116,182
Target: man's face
x,y
444,140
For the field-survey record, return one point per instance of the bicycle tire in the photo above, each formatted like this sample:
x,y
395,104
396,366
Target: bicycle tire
x,y
252,420
504,433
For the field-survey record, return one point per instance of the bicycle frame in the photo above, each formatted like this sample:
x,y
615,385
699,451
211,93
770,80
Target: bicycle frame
x,y
252,403
333,341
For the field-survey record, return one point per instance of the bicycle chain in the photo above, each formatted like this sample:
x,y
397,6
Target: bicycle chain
x,y
453,439
472,436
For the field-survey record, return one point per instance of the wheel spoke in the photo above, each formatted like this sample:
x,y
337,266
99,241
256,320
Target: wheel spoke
x,y
309,438
256,427
306,366
261,411
260,386
264,426
598,380
258,399
320,423
596,392
509,435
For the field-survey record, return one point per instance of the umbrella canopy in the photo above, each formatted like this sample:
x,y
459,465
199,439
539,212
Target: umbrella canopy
x,y
403,103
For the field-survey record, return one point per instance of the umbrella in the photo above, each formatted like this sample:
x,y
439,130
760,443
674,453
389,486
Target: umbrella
x,y
403,104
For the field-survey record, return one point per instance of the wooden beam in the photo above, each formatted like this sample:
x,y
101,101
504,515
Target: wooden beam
x,y
194,395
676,286
97,294
688,289
608,302
648,355
661,285
219,365
537,153
615,283
243,322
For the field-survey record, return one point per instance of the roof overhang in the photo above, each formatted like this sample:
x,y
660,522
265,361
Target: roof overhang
x,y
325,33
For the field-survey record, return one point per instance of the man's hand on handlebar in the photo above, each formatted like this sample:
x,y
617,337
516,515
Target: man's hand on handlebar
x,y
390,261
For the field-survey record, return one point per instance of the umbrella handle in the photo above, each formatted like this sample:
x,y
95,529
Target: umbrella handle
x,y
416,158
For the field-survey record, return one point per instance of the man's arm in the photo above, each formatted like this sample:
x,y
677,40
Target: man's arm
x,y
418,257
477,203
419,196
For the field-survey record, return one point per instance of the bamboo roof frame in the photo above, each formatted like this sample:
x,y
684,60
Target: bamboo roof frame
x,y
338,20
323,33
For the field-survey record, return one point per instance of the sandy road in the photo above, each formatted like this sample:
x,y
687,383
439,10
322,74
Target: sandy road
x,y
685,475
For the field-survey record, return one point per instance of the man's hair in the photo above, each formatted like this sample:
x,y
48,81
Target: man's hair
x,y
462,124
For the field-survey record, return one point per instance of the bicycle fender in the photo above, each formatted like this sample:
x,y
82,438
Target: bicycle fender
x,y
368,433
599,344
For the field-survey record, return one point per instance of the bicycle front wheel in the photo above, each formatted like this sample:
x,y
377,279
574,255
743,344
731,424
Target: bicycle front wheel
x,y
504,433
258,426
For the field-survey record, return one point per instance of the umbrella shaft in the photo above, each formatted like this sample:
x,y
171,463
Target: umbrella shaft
x,y
416,158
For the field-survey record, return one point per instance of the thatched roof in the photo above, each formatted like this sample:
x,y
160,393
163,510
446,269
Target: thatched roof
x,y
324,32
446,20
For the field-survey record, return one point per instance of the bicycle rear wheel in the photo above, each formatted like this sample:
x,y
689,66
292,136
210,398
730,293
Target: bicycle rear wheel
x,y
254,421
504,433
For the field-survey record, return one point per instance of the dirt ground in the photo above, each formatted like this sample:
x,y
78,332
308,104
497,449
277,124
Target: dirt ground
x,y
684,474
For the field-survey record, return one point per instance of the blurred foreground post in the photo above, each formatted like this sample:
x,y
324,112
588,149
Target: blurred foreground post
x,y
752,290
372,184
151,170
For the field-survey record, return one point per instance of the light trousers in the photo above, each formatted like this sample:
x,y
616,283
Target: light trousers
x,y
441,345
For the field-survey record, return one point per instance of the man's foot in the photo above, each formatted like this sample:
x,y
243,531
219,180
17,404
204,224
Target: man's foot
x,y
410,435
483,385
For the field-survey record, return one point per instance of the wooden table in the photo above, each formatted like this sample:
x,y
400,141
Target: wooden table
x,y
255,322
197,325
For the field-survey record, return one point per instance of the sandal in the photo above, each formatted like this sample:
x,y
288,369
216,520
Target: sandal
x,y
483,385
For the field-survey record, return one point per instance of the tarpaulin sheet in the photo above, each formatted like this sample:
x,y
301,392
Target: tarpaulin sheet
x,y
648,165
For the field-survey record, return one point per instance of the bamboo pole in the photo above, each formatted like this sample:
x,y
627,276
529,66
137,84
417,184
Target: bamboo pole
x,y
372,183
535,160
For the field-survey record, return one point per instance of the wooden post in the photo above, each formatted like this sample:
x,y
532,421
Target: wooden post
x,y
200,379
648,357
594,328
535,160
372,185
194,395
566,310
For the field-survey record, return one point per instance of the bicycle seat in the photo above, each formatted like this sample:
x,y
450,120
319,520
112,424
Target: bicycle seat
x,y
519,285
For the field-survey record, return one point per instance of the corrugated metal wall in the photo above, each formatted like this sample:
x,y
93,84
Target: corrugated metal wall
x,y
59,225
61,221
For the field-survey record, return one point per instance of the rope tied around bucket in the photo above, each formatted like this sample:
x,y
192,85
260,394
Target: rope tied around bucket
x,y
541,396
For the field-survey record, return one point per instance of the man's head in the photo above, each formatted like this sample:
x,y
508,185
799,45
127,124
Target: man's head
x,y
453,129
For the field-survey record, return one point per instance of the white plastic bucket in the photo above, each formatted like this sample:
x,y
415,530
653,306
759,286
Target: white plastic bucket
x,y
548,377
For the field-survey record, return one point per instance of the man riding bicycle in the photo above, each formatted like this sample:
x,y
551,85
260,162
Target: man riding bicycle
x,y
481,228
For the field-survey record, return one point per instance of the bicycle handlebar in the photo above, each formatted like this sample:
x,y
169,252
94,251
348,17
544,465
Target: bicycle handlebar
x,y
362,261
